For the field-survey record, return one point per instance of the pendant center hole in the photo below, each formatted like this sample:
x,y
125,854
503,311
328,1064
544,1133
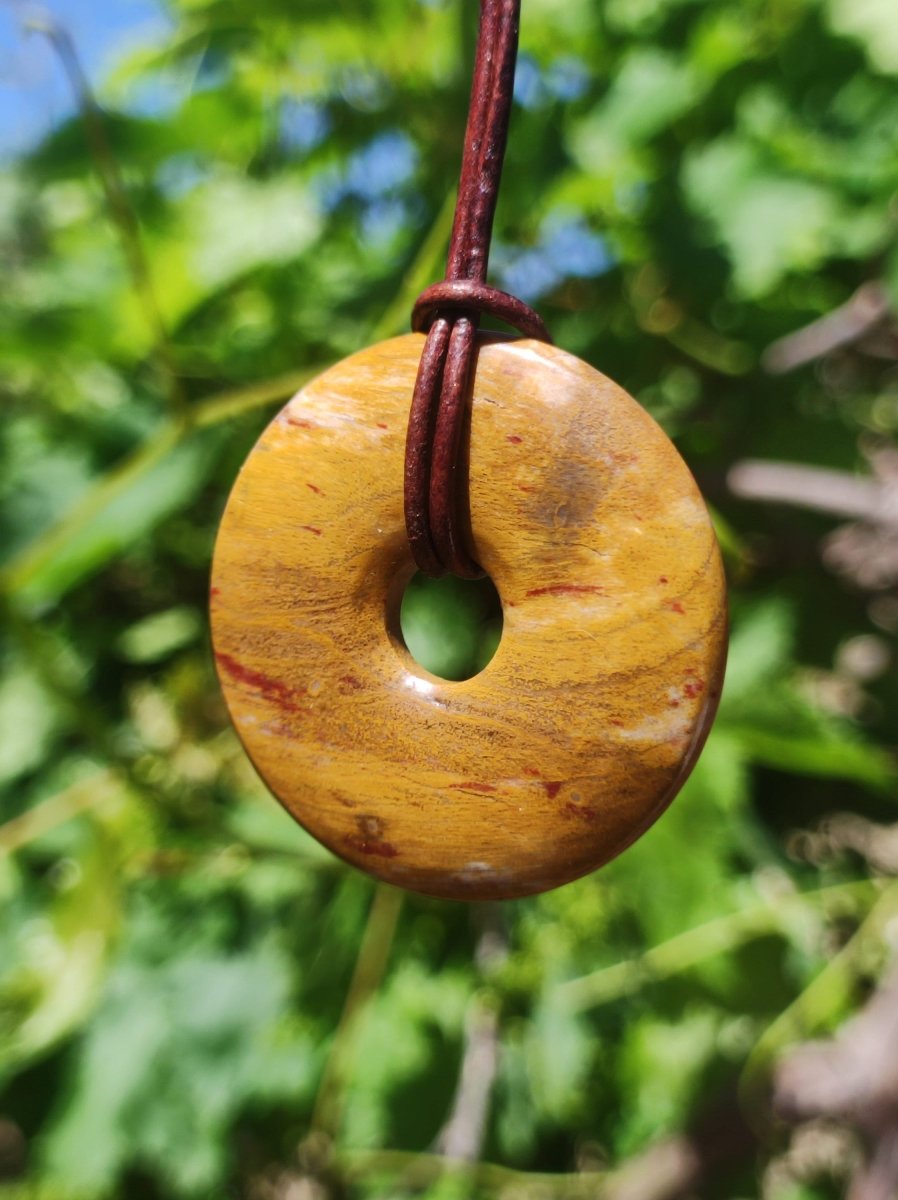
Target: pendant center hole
x,y
450,626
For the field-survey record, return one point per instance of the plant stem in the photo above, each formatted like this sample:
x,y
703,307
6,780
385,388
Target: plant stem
x,y
693,946
220,407
118,202
370,965
419,1170
56,810
819,1003
22,568
236,402
425,267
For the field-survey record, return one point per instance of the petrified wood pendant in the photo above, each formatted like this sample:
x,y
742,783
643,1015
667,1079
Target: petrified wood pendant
x,y
587,721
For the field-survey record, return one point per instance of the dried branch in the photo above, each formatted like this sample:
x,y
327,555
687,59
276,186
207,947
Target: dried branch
x,y
853,1078
877,844
679,1166
877,1179
461,1138
835,492
859,316
866,550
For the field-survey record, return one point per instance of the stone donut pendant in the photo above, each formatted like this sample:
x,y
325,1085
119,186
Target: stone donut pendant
x,y
581,729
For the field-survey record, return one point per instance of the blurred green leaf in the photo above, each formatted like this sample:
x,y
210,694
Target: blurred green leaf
x,y
405,1037
872,22
178,1048
451,626
559,1052
662,1063
159,635
54,960
831,755
770,224
760,648
152,493
30,714
226,228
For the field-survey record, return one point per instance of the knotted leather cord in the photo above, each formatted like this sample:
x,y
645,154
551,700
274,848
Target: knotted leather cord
x,y
435,483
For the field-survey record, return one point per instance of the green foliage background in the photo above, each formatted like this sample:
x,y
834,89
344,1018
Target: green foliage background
x,y
195,999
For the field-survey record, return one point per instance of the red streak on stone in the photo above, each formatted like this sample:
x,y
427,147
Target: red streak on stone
x,y
674,704
213,592
316,490
552,789
675,606
662,579
565,589
514,439
526,487
693,688
312,529
380,425
270,689
585,814
381,849
615,721
470,786
351,681
300,424
533,771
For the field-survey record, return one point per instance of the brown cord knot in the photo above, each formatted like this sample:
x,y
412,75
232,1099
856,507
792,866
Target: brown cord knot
x,y
450,311
465,297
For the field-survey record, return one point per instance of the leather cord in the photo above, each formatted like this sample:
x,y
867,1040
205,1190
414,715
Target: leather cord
x,y
449,312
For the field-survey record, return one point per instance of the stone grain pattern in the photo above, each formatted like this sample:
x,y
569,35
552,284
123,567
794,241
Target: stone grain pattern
x,y
582,728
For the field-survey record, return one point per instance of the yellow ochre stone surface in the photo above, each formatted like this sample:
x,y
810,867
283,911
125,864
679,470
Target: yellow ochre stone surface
x,y
586,722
